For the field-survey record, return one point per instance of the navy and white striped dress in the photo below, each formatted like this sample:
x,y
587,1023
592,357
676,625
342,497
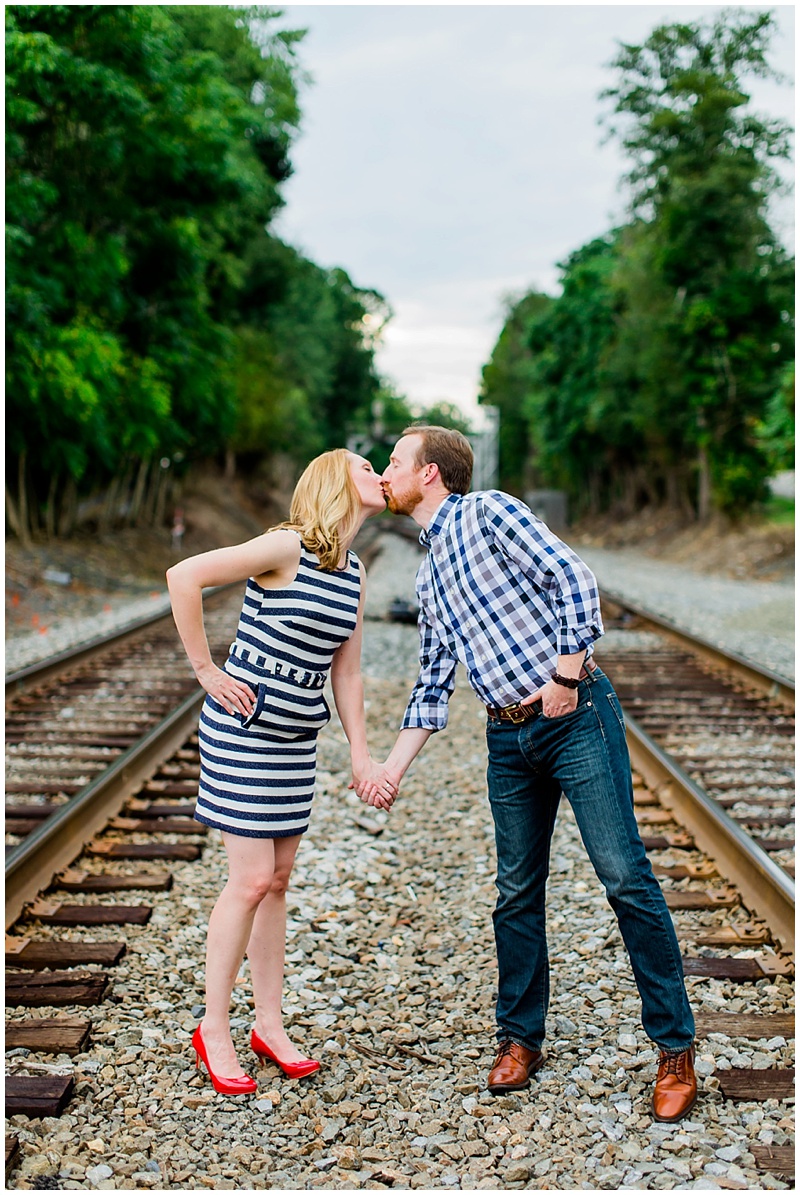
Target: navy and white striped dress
x,y
257,773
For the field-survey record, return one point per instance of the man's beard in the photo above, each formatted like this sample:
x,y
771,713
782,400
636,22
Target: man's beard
x,y
404,504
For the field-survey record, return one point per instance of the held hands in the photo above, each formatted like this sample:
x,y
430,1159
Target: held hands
x,y
556,699
232,694
374,784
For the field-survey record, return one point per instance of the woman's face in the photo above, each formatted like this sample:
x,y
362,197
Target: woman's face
x,y
368,484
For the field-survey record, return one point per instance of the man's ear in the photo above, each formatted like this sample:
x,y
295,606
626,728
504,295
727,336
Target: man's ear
x,y
431,473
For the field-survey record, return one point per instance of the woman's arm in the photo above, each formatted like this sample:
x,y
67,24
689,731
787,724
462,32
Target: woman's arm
x,y
277,551
407,747
348,693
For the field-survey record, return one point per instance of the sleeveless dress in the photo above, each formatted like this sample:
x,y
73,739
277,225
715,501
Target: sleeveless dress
x,y
257,773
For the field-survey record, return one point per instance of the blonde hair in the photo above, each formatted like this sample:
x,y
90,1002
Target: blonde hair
x,y
325,507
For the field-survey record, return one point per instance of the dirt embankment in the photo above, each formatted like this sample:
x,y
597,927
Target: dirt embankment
x,y
753,550
90,572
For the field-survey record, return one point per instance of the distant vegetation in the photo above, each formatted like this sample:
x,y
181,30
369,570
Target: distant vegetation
x,y
663,371
153,317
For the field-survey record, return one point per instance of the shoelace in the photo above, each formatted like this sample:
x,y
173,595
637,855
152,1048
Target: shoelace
x,y
503,1049
670,1064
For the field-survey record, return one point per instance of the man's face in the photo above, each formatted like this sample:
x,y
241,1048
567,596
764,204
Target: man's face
x,y
401,477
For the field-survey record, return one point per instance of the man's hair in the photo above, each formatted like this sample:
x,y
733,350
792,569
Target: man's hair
x,y
447,448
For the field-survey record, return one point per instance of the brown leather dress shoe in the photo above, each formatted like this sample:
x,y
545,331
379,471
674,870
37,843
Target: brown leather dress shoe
x,y
513,1067
676,1086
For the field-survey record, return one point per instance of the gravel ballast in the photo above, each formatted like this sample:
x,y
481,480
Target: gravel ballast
x,y
390,982
753,618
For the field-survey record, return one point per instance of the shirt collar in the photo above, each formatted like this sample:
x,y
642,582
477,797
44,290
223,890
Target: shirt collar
x,y
440,517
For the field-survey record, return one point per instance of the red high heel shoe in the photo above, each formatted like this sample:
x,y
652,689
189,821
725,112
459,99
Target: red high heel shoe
x,y
243,1086
294,1070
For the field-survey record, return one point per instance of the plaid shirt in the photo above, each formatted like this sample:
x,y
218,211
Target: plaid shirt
x,y
499,592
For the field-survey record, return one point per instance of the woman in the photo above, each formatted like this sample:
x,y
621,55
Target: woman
x,y
302,617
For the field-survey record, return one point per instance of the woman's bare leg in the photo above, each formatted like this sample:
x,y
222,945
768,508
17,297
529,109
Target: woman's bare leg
x,y
251,867
266,951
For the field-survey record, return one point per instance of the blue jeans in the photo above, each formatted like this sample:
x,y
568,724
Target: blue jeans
x,y
584,755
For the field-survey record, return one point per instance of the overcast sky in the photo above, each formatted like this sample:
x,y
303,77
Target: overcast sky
x,y
451,155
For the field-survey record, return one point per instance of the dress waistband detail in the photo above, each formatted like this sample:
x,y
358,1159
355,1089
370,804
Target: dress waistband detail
x,y
270,667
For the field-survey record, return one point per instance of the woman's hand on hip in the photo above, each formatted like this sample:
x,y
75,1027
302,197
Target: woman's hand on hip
x,y
233,695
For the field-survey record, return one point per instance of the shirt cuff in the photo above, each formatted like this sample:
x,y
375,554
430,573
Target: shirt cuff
x,y
420,719
571,640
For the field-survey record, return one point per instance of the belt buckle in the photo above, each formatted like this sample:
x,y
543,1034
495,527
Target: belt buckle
x,y
515,713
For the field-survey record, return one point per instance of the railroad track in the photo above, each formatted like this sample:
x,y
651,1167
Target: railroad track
x,y
78,806
714,736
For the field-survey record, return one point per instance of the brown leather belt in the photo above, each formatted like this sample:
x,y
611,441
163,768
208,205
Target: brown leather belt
x,y
518,713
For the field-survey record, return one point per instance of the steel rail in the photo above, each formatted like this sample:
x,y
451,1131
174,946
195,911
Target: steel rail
x,y
765,887
779,688
32,864
36,674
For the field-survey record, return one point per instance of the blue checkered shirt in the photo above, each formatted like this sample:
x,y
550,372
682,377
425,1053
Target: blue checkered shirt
x,y
499,592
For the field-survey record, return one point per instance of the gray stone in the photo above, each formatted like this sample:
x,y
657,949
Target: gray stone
x,y
97,1173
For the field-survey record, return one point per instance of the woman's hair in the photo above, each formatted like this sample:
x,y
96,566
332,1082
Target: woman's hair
x,y
325,506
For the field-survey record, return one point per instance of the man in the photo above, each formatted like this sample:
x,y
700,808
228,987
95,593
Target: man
x,y
505,597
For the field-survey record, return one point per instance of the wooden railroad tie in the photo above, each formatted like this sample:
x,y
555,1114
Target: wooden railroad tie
x,y
751,1025
167,809
679,841
30,811
38,1095
775,844
774,1159
38,956
21,826
31,788
747,933
52,912
49,1035
171,788
54,989
686,871
738,969
157,825
712,898
75,880
743,1083
654,817
12,1150
187,852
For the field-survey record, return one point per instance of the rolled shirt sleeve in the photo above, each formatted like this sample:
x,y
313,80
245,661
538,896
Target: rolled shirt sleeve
x,y
428,704
550,565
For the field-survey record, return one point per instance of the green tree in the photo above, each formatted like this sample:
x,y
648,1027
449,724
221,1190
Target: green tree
x,y
581,418
508,379
314,334
713,285
140,163
776,431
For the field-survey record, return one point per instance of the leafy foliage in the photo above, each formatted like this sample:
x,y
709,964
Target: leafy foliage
x,y
150,313
651,375
508,379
